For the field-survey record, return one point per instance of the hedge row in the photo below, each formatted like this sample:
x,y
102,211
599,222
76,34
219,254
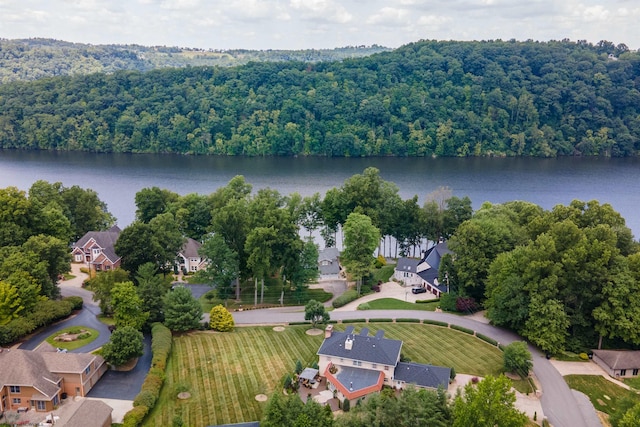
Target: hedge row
x,y
487,339
346,298
408,320
380,320
461,329
425,301
354,321
435,322
44,313
161,341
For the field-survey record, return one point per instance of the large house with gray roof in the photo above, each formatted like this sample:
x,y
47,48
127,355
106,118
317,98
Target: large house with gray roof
x,y
96,249
423,272
618,363
38,380
357,365
189,259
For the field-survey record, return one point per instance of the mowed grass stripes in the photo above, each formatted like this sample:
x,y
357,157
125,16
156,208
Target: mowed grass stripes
x,y
225,371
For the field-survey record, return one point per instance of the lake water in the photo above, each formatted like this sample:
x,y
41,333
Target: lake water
x,y
546,182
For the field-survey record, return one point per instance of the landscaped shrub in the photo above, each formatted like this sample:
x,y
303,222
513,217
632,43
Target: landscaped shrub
x,y
380,320
448,302
354,321
75,301
380,261
346,298
452,374
435,322
425,301
220,319
364,306
346,405
134,417
462,329
583,356
487,339
407,320
145,398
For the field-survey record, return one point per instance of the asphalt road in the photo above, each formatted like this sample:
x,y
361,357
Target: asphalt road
x,y
558,402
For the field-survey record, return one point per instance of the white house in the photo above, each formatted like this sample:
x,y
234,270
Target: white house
x,y
189,259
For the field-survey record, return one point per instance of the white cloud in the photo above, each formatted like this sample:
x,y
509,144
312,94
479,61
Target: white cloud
x,y
595,13
389,16
325,10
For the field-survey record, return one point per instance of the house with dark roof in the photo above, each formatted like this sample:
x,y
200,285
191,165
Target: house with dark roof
x,y
423,272
356,365
618,363
189,258
90,413
328,263
96,249
38,380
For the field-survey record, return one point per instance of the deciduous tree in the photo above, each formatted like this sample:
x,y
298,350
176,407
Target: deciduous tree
x,y
361,238
316,312
125,344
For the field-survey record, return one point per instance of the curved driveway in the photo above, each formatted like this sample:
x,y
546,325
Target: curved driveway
x,y
558,402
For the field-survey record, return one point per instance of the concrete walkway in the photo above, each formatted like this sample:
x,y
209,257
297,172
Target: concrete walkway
x,y
388,290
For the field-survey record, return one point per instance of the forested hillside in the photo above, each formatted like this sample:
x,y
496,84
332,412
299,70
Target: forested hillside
x,y
32,59
424,99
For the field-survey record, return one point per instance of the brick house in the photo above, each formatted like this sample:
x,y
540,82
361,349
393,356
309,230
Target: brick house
x,y
38,380
96,249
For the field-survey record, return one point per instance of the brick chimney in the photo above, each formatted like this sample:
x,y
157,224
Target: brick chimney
x,y
328,331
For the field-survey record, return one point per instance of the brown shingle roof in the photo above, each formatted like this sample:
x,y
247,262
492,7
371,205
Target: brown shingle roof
x,y
90,413
28,369
619,359
74,363
190,248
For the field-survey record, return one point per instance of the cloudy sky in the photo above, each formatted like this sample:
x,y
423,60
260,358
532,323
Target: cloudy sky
x,y
299,24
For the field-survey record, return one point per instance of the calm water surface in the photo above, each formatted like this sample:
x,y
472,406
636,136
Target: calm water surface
x,y
546,182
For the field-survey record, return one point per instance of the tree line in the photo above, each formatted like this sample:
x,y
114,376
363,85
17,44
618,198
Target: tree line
x,y
567,278
427,98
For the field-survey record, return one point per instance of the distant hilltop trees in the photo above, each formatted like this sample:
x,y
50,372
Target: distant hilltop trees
x,y
36,58
429,98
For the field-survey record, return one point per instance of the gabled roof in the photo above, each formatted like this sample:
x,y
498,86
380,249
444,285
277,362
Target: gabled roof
x,y
90,413
328,254
422,375
363,347
104,239
190,248
407,264
72,363
432,258
619,359
27,369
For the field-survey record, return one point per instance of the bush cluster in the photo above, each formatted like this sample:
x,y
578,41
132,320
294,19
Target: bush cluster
x,y
220,319
75,301
487,339
44,313
346,298
144,402
462,329
435,322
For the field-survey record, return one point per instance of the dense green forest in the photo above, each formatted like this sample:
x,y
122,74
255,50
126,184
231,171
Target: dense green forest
x,y
36,58
428,98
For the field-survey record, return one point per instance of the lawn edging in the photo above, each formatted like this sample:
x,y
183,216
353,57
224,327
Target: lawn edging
x,y
161,341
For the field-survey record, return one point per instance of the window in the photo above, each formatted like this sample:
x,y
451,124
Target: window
x,y
357,363
374,366
41,405
17,400
386,368
96,252
86,371
623,372
635,372
14,389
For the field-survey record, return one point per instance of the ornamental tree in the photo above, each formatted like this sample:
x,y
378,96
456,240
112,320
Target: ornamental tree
x,y
220,319
315,311
517,358
125,344
182,312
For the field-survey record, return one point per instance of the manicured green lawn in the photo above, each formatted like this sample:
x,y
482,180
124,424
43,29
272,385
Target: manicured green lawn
x,y
604,394
383,273
72,345
225,371
632,382
396,304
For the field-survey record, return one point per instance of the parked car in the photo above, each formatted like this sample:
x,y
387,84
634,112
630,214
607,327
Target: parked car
x,y
418,290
